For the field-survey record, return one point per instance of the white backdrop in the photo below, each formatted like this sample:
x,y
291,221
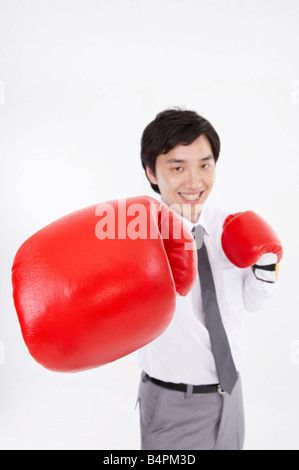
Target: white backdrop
x,y
79,81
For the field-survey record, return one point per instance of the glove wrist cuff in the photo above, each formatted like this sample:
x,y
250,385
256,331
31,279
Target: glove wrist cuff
x,y
266,269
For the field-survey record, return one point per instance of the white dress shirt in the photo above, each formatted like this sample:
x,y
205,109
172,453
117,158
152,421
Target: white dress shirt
x,y
182,354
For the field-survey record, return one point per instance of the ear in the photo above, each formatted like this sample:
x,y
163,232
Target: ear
x,y
151,176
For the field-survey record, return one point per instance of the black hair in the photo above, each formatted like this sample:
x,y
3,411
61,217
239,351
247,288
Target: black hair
x,y
174,127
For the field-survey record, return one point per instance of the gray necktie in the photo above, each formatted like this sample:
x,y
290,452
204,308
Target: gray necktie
x,y
225,366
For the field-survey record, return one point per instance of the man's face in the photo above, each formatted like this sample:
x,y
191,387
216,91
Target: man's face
x,y
185,176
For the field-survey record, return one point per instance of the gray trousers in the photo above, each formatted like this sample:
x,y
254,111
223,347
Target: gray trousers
x,y
172,420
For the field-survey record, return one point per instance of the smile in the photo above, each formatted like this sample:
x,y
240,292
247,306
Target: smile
x,y
191,197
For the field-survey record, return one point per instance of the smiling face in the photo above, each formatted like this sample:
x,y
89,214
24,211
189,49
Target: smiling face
x,y
185,176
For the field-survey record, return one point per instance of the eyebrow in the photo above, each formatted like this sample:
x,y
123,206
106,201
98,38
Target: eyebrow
x,y
180,160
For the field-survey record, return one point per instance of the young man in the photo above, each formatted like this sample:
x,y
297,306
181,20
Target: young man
x,y
181,403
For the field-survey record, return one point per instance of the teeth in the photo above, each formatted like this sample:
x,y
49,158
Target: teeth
x,y
191,197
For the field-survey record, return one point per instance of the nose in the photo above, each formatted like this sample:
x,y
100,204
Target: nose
x,y
193,180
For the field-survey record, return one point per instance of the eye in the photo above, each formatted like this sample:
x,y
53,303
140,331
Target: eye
x,y
205,166
177,169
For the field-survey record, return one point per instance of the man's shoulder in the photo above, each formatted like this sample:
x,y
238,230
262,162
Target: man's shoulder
x,y
215,216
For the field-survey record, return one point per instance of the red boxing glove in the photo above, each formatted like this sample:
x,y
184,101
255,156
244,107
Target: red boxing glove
x,y
247,240
89,290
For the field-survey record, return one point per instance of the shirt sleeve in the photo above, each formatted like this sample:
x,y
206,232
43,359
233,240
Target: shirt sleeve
x,y
255,291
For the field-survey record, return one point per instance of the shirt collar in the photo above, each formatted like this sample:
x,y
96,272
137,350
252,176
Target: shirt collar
x,y
202,220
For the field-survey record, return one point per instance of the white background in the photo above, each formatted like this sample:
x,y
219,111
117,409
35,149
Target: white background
x,y
79,81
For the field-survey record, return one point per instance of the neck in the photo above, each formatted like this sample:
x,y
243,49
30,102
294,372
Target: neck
x,y
191,212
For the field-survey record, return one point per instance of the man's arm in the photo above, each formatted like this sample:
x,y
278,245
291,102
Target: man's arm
x,y
255,291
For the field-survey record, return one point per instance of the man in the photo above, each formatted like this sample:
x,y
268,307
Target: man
x,y
181,403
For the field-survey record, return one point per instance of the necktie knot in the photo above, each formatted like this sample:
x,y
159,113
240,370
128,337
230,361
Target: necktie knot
x,y
197,233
